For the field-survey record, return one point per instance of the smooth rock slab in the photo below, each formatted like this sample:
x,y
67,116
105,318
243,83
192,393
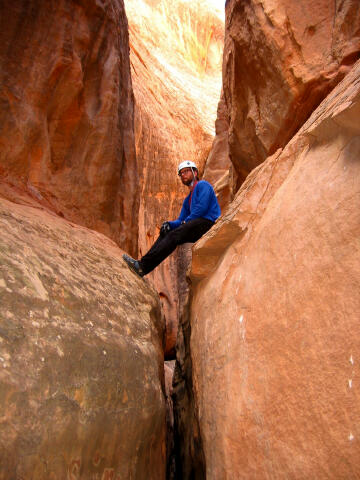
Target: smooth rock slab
x,y
275,333
81,355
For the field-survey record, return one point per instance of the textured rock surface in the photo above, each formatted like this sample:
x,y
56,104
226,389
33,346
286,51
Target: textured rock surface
x,y
81,356
218,165
176,53
275,339
281,59
66,117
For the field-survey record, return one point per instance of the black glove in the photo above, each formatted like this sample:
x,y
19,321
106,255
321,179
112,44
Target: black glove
x,y
165,228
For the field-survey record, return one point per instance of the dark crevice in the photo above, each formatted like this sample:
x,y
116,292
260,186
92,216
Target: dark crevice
x,y
185,456
189,459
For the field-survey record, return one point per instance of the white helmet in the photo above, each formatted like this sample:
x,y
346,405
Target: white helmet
x,y
186,164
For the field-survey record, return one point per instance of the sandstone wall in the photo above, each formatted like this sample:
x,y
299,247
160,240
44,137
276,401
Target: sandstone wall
x,y
280,61
275,336
66,117
218,165
81,355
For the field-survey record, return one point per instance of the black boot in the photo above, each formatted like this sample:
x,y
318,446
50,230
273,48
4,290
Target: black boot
x,y
134,265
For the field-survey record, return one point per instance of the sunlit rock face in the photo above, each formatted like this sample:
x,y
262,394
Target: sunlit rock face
x,y
275,334
66,117
81,355
281,59
176,54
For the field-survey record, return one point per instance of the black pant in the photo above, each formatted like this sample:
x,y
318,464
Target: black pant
x,y
187,232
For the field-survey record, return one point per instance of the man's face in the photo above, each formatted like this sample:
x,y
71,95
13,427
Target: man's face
x,y
187,176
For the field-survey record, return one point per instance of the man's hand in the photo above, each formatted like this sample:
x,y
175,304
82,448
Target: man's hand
x,y
165,228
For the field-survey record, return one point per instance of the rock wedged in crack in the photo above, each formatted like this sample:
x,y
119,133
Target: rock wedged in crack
x,y
81,355
275,335
169,367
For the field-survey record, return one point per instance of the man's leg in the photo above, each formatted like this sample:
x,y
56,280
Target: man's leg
x,y
134,264
164,246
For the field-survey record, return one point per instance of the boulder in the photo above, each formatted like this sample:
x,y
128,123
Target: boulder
x,y
275,334
81,355
281,59
66,117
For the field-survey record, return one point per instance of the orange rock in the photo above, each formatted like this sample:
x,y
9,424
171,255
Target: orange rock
x,y
275,334
218,162
66,117
81,356
280,61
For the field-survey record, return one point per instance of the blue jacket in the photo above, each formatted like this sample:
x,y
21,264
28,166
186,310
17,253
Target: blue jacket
x,y
204,204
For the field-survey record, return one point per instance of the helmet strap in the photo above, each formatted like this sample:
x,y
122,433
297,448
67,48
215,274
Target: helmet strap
x,y
194,181
194,178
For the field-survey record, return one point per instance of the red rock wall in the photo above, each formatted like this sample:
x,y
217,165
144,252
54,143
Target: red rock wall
x,y
280,61
275,334
66,117
218,165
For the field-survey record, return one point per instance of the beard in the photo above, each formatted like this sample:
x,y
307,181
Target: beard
x,y
188,182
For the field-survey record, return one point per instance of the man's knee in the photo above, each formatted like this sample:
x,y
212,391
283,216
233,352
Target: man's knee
x,y
178,234
174,235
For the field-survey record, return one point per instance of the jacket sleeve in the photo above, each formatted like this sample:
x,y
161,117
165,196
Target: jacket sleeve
x,y
200,202
185,210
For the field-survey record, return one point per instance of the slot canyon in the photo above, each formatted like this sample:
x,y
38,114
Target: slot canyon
x,y
238,356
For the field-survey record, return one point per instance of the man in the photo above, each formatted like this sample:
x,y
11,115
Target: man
x,y
198,214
